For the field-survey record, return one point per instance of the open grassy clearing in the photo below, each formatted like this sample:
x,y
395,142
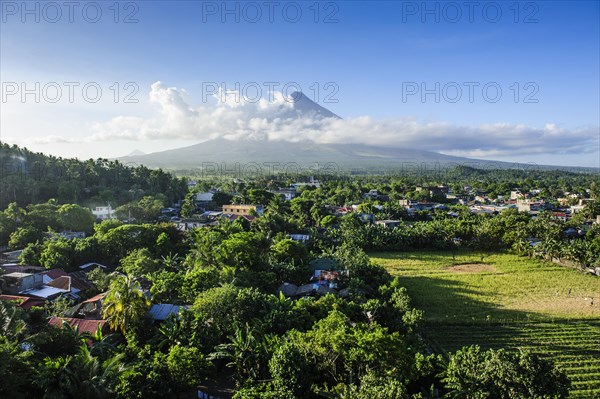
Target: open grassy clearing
x,y
499,287
503,300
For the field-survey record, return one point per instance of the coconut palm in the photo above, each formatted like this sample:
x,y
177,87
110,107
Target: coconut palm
x,y
79,376
125,303
12,326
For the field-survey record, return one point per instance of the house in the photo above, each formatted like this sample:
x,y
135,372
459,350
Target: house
x,y
303,238
326,277
52,288
69,235
576,208
11,256
88,267
311,183
374,194
82,325
529,206
314,289
388,223
287,193
17,282
24,302
434,190
420,206
406,202
53,274
70,284
189,224
516,194
203,199
481,198
14,267
562,216
243,209
89,309
103,212
161,311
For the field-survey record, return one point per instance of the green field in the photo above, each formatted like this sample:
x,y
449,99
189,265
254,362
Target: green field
x,y
504,300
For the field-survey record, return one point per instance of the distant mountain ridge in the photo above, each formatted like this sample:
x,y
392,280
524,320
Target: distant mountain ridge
x,y
223,153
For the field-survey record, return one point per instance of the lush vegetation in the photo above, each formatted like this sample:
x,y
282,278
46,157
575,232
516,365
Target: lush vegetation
x,y
30,178
396,326
513,302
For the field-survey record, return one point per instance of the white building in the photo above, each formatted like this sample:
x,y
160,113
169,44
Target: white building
x,y
204,197
103,212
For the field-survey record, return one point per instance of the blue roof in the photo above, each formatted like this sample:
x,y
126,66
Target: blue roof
x,y
162,311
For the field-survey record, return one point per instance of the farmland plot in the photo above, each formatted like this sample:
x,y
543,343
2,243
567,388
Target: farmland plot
x,y
503,300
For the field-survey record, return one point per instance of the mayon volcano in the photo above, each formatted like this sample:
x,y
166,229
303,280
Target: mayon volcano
x,y
258,148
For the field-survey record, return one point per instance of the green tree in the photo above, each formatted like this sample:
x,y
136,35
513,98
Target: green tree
x,y
221,198
76,218
125,304
187,367
16,371
25,235
372,386
244,250
139,262
288,251
58,254
188,207
79,376
473,374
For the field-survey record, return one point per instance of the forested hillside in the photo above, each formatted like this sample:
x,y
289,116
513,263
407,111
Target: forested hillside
x,y
28,178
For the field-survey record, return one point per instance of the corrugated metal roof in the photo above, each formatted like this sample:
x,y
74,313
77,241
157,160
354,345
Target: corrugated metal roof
x,y
44,292
25,302
62,282
95,298
55,273
83,326
162,311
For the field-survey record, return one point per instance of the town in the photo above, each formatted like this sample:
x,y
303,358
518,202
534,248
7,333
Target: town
x,y
201,282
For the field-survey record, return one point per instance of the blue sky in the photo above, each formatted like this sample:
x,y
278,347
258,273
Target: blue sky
x,y
366,58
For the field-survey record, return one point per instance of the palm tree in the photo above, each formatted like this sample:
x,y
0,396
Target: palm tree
x,y
12,326
102,345
79,376
247,352
125,303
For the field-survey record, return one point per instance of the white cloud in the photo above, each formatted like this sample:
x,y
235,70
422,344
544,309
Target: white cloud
x,y
232,117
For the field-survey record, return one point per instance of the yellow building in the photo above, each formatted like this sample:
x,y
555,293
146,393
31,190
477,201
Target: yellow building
x,y
243,209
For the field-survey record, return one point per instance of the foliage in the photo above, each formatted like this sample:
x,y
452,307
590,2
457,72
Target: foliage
x,y
125,304
473,374
139,262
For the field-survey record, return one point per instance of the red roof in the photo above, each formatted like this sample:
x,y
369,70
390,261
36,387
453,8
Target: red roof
x,y
55,273
62,282
25,302
95,298
84,326
80,284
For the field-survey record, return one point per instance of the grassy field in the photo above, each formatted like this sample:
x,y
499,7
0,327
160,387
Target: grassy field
x,y
503,300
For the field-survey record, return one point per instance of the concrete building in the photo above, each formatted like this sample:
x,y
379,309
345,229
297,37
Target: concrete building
x,y
17,282
103,212
243,209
